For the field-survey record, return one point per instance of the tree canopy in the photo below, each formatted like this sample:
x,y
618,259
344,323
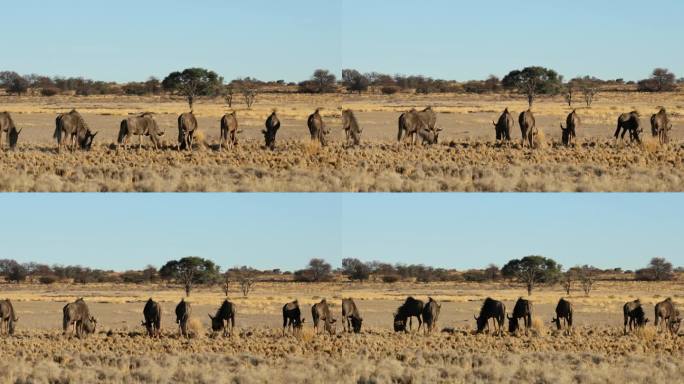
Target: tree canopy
x,y
533,81
190,271
532,270
192,83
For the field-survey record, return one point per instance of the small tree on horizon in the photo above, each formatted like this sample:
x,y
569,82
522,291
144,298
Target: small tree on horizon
x,y
532,270
192,83
533,81
354,81
190,271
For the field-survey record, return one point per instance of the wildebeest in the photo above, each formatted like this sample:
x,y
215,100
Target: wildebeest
x,y
321,311
563,311
412,122
634,315
411,308
319,131
667,315
431,314
629,122
521,310
351,128
140,125
224,316
491,309
528,127
351,317
71,130
272,126
152,314
187,125
229,130
77,316
7,127
292,317
570,129
183,312
8,317
429,136
661,126
504,125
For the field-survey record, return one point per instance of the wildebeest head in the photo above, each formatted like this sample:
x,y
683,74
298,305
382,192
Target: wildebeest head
x,y
87,141
12,325
399,323
89,325
356,324
216,323
512,324
556,320
14,137
481,323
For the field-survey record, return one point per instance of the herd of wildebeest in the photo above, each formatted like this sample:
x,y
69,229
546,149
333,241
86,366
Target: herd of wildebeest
x,y
72,131
78,320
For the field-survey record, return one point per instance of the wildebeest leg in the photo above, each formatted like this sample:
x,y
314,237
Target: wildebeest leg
x,y
420,322
140,141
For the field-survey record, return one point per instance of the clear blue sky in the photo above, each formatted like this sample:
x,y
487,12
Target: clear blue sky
x,y
286,230
268,39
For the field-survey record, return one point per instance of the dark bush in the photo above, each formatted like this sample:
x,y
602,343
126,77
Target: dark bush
x,y
390,279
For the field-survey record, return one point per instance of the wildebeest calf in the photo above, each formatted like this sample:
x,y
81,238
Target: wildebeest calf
x,y
521,310
183,312
634,315
292,317
431,314
351,317
491,309
152,315
224,316
563,311
667,315
410,308
321,311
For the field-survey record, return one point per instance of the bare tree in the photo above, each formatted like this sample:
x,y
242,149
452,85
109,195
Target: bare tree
x,y
246,283
587,275
589,90
250,97
567,280
228,96
569,93
226,283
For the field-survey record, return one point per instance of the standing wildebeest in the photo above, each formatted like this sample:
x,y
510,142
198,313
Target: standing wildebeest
x,y
292,317
629,122
522,310
321,311
351,317
411,308
7,127
431,315
351,128
224,316
72,130
187,125
183,311
667,314
528,127
634,315
504,125
8,317
412,122
319,131
491,309
152,315
77,316
661,126
563,311
229,130
272,126
140,125
570,129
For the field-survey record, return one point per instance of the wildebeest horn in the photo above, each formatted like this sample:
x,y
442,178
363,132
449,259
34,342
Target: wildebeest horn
x,y
94,134
210,316
509,318
493,123
19,131
475,317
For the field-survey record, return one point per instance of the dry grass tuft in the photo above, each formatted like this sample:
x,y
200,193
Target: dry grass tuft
x,y
195,328
650,144
538,326
646,334
311,147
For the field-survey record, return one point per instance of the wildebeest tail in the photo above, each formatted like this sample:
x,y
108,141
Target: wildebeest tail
x,y
58,128
123,131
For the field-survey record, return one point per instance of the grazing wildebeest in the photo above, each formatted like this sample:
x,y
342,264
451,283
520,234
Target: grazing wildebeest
x,y
667,315
521,310
229,130
7,127
319,131
528,127
152,315
491,309
569,132
661,126
77,316
563,311
351,128
504,125
321,311
272,126
224,316
411,308
183,312
8,317
431,314
187,125
71,130
140,125
351,317
412,122
634,315
629,122
292,317
429,136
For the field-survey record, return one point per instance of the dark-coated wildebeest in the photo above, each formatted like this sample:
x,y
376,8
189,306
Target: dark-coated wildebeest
x,y
634,315
187,125
528,127
412,122
563,311
317,128
661,126
229,130
569,132
8,128
351,317
431,315
224,316
351,127
8,318
504,126
292,317
272,126
411,308
321,311
77,316
71,130
140,125
491,309
183,312
521,310
152,315
667,315
629,122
